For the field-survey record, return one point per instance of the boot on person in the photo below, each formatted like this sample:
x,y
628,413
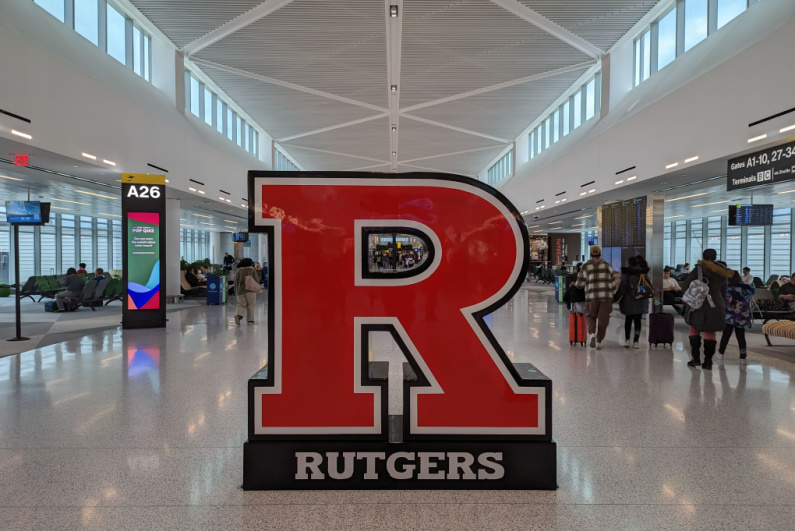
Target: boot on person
x,y
695,350
709,351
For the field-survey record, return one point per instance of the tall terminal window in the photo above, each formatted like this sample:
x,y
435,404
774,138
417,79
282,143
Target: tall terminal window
x,y
106,25
501,169
583,103
218,113
683,25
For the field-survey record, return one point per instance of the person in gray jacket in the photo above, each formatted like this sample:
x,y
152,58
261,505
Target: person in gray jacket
x,y
710,318
631,305
245,298
73,288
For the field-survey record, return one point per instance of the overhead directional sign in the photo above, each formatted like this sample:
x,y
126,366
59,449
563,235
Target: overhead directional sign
x,y
771,165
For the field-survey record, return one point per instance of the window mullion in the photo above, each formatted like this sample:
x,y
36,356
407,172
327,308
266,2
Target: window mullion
x,y
712,16
654,34
102,30
128,43
680,27
69,13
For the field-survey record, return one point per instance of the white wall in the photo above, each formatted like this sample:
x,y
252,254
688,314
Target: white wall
x,y
81,99
706,116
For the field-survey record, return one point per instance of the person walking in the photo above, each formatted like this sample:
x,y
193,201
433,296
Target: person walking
x,y
245,297
228,262
738,315
596,277
711,317
632,298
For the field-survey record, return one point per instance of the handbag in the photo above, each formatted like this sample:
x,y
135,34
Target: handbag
x,y
252,285
697,292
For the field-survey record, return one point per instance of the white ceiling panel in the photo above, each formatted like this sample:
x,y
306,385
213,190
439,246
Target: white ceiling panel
x,y
313,160
454,47
337,47
502,113
184,21
600,22
468,164
369,139
420,140
286,112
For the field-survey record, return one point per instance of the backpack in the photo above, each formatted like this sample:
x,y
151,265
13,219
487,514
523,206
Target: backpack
x,y
642,289
697,292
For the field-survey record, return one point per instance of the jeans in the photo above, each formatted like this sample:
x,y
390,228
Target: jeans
x,y
628,320
727,334
60,296
598,311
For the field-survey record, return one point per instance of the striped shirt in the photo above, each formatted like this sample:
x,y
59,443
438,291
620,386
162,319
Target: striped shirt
x,y
597,279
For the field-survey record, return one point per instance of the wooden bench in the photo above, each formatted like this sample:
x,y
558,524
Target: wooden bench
x,y
778,329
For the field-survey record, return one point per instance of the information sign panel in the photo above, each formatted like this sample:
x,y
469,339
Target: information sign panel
x,y
771,165
143,250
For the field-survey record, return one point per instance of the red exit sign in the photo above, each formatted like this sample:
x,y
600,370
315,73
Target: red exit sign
x,y
22,160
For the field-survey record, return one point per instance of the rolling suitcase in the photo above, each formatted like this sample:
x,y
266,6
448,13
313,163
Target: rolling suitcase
x,y
577,329
661,326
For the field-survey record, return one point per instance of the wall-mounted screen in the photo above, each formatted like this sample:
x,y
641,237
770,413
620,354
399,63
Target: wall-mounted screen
x,y
23,212
750,214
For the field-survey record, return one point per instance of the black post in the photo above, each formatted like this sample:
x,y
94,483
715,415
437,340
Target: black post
x,y
17,286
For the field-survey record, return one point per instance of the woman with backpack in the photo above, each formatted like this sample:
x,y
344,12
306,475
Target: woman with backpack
x,y
738,315
634,292
710,317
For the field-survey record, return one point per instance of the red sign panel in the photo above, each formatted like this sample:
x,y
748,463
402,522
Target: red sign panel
x,y
22,160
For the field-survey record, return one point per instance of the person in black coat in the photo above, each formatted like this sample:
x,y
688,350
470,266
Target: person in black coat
x,y
631,304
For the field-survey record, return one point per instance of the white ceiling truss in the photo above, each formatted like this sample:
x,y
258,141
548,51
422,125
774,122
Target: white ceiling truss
x,y
344,85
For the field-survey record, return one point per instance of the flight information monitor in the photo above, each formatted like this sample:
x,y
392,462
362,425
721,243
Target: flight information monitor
x,y
624,223
23,212
750,214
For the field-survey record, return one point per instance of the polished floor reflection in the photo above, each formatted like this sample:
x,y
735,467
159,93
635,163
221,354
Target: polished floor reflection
x,y
144,430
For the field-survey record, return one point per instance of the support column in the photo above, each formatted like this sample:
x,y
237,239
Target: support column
x,y
655,229
172,247
216,254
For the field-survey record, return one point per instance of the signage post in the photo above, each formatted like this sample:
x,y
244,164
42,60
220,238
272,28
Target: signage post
x,y
318,415
143,207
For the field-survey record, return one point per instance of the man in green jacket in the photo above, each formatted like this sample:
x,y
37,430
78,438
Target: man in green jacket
x,y
596,277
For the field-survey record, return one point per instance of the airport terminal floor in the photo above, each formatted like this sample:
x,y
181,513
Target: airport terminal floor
x,y
145,430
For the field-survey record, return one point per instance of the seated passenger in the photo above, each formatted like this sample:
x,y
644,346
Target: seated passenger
x,y
671,290
99,274
191,278
73,288
82,270
787,293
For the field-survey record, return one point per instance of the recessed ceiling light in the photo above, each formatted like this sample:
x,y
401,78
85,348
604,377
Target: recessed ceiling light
x,y
20,133
583,193
584,217
201,192
73,202
394,128
167,181
619,182
394,153
672,217
543,206
89,156
787,192
97,195
760,137
105,214
564,199
691,159
592,190
201,216
109,162
672,165
538,230
393,11
554,222
192,189
394,88
557,202
632,178
685,197
534,227
785,129
10,178
243,205
203,223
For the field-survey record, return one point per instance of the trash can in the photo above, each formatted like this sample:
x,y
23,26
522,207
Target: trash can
x,y
216,289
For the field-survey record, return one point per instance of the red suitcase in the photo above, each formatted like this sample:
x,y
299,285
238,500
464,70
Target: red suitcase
x,y
577,329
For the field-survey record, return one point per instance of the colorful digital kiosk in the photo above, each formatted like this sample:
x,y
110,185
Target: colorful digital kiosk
x,y
318,410
143,207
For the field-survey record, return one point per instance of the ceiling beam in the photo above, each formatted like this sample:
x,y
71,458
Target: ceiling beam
x,y
454,128
474,150
332,127
501,86
435,170
543,23
363,168
287,84
394,59
298,146
237,23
